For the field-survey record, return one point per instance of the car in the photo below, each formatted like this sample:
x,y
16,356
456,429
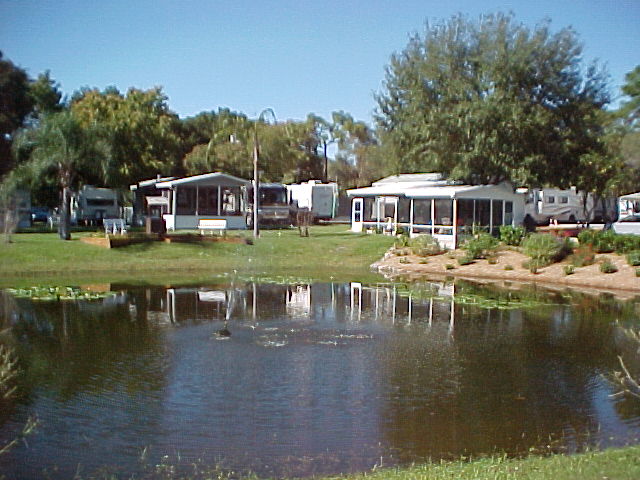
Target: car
x,y
39,214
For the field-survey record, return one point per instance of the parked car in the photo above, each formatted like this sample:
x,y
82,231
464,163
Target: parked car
x,y
39,214
629,224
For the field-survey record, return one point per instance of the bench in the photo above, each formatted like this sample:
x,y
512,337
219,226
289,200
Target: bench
x,y
114,226
213,224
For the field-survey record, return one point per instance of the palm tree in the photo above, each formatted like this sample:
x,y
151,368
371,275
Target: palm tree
x,y
60,143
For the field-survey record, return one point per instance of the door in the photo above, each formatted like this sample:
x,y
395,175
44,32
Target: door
x,y
357,214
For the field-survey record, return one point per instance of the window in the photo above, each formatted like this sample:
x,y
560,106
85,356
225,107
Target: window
x,y
563,199
508,213
465,212
496,206
444,212
404,210
369,210
422,212
208,201
100,202
550,199
186,201
230,200
483,212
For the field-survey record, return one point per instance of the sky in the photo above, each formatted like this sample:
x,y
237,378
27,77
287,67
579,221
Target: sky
x,y
295,57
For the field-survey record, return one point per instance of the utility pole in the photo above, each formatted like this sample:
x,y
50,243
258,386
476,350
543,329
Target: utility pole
x,y
256,171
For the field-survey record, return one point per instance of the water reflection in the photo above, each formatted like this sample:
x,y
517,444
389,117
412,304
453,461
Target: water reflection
x,y
312,379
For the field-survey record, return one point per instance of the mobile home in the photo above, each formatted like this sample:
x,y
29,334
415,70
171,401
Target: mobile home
x,y
92,204
429,204
273,205
549,204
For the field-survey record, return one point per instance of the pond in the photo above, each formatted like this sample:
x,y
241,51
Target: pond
x,y
303,379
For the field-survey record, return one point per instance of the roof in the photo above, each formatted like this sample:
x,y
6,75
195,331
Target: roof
x,y
433,190
631,196
150,182
412,177
204,178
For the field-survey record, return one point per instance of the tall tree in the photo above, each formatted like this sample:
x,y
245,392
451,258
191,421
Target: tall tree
x,y
493,100
629,131
15,105
46,95
143,134
61,144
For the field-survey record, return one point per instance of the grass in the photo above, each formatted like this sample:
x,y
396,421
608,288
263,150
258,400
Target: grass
x,y
331,252
619,464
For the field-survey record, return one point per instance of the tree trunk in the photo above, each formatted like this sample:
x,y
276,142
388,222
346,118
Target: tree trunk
x,y
64,226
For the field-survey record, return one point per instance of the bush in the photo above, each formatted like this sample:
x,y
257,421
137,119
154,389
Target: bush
x,y
569,269
425,245
633,258
466,260
508,267
449,266
510,235
583,256
608,267
602,241
481,246
544,249
626,243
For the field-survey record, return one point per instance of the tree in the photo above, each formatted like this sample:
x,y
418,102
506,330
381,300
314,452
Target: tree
x,y
15,105
630,109
142,133
492,100
629,130
46,95
60,144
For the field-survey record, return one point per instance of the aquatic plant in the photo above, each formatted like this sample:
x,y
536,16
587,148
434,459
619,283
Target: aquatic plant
x,y
57,293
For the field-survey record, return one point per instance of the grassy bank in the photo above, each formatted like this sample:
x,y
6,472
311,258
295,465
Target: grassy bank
x,y
619,464
330,252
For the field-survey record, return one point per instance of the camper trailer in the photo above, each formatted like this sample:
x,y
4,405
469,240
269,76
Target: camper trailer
x,y
547,205
273,205
92,204
319,198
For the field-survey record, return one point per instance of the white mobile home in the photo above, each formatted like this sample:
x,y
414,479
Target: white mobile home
x,y
207,196
91,205
425,203
548,204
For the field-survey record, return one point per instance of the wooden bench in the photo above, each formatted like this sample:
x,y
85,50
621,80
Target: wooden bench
x,y
115,226
212,224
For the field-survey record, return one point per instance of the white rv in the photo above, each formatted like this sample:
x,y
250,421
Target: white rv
x,y
549,204
320,198
91,205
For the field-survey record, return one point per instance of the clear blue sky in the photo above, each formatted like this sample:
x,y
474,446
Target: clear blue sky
x,y
295,56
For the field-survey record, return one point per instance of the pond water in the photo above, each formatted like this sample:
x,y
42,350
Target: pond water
x,y
313,379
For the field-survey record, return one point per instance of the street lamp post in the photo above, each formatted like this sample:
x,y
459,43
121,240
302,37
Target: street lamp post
x,y
256,172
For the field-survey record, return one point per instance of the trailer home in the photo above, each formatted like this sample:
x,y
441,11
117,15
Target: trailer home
x,y
547,205
321,199
91,205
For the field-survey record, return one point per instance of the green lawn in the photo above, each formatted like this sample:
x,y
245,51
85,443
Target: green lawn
x,y
330,252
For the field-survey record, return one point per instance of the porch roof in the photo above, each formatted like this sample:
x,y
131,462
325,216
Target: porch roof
x,y
436,191
215,178
631,196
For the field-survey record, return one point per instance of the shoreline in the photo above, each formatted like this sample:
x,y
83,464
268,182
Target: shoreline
x,y
623,284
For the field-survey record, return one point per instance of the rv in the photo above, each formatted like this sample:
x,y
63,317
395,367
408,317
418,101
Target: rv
x,y
547,205
319,198
273,205
91,205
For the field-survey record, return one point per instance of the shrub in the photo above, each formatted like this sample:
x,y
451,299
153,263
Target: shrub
x,y
633,258
602,241
637,272
425,245
508,267
492,260
569,269
608,267
466,260
481,246
513,236
543,249
583,256
626,243
404,260
449,266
